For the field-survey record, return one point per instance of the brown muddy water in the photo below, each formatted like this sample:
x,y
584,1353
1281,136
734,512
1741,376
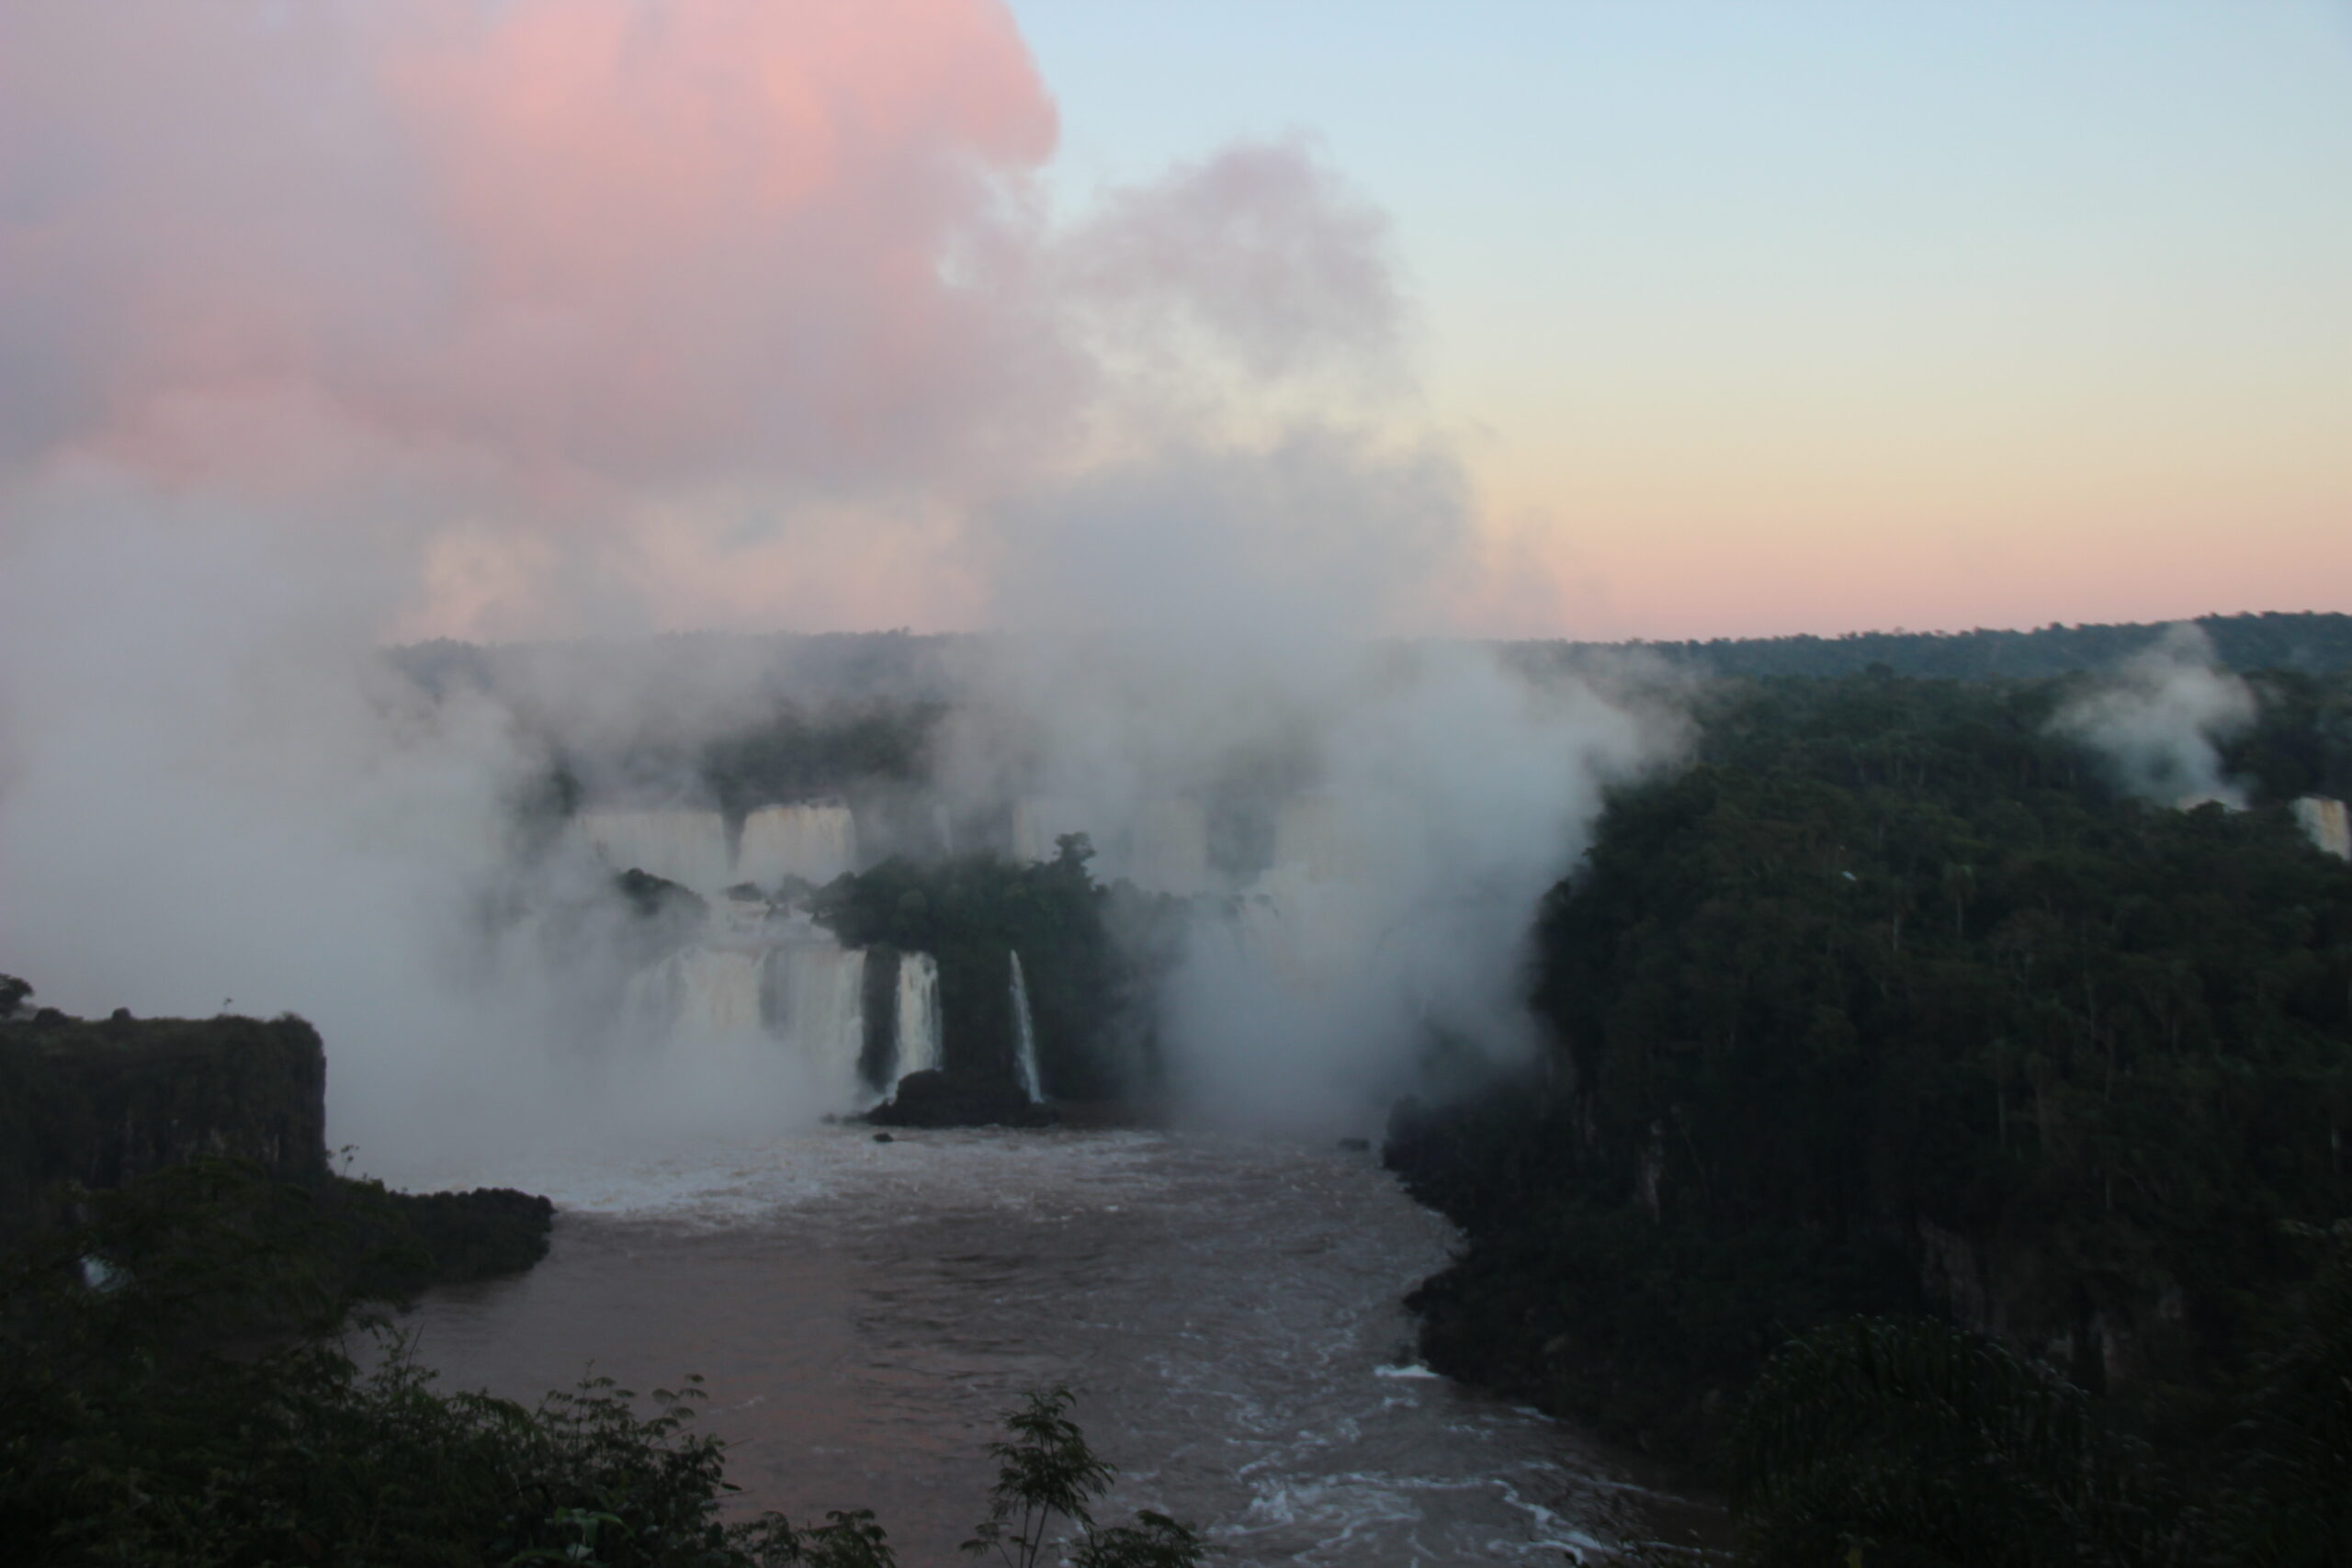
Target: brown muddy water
x,y
1226,1313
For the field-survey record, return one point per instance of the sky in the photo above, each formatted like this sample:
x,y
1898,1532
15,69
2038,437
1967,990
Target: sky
x,y
1595,319
1755,319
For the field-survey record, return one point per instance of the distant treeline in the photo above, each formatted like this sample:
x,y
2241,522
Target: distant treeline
x,y
732,722
823,665
2309,641
738,721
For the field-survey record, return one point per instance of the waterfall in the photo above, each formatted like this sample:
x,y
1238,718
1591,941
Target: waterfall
x,y
685,847
814,842
696,993
2324,821
817,1002
718,993
918,1013
650,998
1025,1063
805,998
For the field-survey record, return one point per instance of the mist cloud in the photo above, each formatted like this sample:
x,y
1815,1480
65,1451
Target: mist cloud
x,y
585,239
321,325
735,309
2156,719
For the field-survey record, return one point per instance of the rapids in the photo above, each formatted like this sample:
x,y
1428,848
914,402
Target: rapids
x,y
1227,1311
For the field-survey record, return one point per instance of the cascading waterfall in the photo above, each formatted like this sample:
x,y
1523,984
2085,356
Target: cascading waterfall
x,y
650,999
804,996
918,1031
816,997
2324,820
1025,1030
688,848
696,993
718,993
815,842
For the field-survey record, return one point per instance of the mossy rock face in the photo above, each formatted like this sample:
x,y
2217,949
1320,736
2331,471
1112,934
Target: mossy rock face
x,y
102,1104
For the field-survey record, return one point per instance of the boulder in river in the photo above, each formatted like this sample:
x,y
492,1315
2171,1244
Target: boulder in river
x,y
935,1099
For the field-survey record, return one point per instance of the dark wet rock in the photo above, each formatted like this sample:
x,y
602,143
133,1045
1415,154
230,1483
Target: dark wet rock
x,y
97,1106
935,1099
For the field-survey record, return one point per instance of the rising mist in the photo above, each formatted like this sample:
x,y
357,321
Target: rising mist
x,y
331,329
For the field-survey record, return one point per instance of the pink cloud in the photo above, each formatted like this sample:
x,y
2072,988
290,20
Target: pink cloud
x,y
633,240
606,313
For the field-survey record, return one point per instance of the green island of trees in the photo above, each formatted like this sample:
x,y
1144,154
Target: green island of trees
x,y
1087,953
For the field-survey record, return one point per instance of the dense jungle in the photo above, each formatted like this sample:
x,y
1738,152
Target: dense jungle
x,y
1895,1025
1934,1141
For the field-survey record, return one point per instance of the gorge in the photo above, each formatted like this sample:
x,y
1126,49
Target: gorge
x,y
1809,918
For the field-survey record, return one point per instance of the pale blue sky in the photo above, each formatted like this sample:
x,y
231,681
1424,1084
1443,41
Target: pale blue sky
x,y
1967,295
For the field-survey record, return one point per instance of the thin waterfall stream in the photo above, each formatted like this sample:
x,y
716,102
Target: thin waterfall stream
x,y
1025,1030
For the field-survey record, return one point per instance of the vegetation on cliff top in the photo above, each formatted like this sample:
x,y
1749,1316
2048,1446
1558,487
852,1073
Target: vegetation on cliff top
x,y
104,1102
91,1106
1907,1441
1890,1004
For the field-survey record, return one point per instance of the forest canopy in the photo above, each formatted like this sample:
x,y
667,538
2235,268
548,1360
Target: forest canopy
x,y
1895,1003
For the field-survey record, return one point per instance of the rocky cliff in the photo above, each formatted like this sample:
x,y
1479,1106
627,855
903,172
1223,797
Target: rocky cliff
x,y
106,1104
101,1105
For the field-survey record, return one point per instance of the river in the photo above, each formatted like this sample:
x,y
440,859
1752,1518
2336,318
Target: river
x,y
1226,1311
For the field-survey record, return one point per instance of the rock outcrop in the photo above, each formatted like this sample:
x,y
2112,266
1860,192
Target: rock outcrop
x,y
98,1105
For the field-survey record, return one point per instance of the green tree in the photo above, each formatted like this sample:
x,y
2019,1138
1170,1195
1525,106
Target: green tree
x,y
1047,1472
1904,1441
